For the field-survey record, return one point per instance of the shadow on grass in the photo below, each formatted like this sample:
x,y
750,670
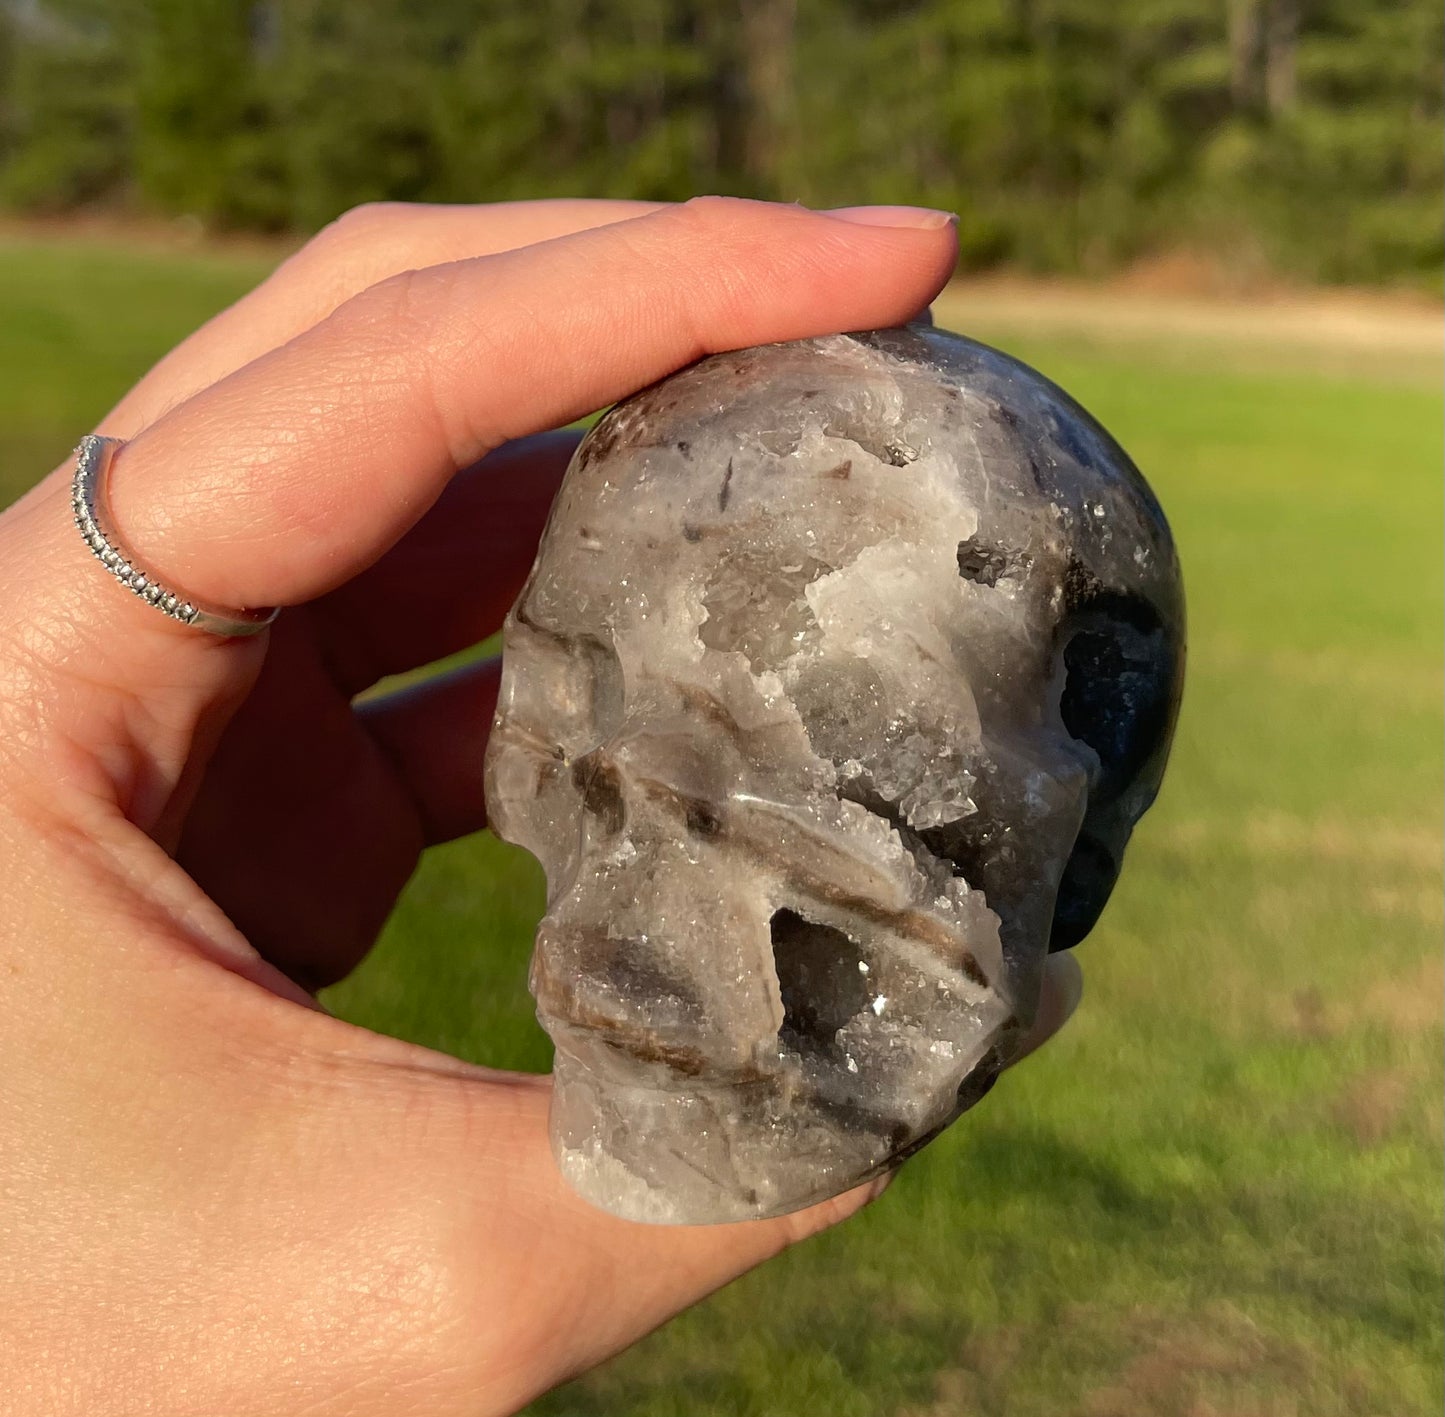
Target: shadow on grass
x,y
1011,1163
1210,1286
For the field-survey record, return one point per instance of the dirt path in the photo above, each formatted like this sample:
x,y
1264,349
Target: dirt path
x,y
1359,331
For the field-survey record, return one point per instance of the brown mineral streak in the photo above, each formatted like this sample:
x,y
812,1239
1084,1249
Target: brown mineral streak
x,y
709,707
909,924
627,1036
630,1035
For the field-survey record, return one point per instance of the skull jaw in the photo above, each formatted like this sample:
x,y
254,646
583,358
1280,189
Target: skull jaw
x,y
728,1156
646,1144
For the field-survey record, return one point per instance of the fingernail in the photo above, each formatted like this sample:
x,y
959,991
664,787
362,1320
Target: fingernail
x,y
919,218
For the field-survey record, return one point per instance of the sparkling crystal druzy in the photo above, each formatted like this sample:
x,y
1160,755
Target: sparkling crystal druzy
x,y
844,672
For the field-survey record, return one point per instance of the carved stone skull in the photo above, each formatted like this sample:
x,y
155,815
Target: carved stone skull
x,y
845,670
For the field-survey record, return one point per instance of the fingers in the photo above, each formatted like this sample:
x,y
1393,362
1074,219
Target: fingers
x,y
298,471
1063,987
638,1277
301,831
603,1282
366,245
451,580
282,823
435,734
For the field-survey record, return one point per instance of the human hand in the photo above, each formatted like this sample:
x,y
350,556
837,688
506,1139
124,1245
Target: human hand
x,y
217,1198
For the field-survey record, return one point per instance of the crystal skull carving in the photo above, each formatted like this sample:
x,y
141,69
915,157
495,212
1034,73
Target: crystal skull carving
x,y
844,671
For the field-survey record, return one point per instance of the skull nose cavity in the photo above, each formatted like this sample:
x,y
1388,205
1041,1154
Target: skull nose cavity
x,y
823,979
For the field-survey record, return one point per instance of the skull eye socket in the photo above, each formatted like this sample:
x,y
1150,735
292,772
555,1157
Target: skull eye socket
x,y
1118,678
1121,664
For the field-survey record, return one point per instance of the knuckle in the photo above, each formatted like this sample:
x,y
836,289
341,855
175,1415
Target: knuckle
x,y
710,215
737,242
362,225
350,244
703,224
734,226
410,332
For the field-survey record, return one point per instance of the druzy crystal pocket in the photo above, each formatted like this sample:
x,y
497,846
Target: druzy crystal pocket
x,y
844,672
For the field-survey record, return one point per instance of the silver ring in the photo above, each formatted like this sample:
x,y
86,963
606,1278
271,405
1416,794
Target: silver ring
x,y
92,515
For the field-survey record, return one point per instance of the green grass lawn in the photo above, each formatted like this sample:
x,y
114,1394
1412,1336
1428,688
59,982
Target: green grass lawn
x,y
1218,1194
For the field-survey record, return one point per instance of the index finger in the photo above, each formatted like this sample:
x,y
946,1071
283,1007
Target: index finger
x,y
365,245
295,473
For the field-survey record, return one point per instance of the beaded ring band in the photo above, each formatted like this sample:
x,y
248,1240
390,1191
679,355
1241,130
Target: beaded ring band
x,y
88,500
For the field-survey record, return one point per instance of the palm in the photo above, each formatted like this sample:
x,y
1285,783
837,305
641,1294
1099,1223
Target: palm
x,y
312,811
301,798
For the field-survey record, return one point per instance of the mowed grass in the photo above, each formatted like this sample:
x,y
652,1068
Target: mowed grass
x,y
1218,1193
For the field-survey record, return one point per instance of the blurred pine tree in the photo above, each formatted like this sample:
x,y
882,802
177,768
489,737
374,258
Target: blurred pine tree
x,y
1304,135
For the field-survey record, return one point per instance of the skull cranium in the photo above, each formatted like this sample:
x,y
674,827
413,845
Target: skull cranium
x,y
845,670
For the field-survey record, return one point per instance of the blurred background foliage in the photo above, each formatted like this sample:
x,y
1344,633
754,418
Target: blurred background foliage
x,y
1278,137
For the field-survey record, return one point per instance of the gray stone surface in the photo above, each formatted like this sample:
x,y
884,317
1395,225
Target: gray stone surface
x,y
844,671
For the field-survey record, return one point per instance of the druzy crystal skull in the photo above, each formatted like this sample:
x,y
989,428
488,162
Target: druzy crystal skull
x,y
845,670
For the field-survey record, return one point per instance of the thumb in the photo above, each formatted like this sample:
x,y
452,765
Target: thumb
x,y
558,1286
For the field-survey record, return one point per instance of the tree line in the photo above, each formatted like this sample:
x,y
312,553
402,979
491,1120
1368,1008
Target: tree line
x,y
1297,136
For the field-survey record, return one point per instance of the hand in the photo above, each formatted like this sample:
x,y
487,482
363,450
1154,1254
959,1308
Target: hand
x,y
217,1198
